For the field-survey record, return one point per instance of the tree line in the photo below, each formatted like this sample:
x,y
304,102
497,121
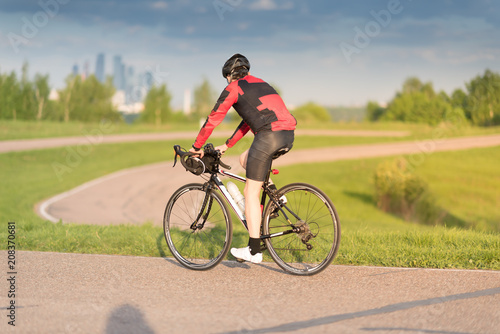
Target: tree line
x,y
418,102
81,99
89,100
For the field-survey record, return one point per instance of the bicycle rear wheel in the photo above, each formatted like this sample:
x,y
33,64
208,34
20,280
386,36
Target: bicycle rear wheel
x,y
198,242
319,228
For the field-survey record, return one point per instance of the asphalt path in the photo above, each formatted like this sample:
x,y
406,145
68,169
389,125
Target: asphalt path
x,y
139,195
98,137
75,293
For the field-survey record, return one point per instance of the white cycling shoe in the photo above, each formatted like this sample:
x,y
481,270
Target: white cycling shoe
x,y
244,254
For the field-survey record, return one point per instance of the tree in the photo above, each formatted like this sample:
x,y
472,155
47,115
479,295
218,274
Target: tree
x,y
25,107
65,95
374,111
204,97
17,97
412,85
87,100
9,95
483,101
157,106
458,99
42,91
311,112
418,103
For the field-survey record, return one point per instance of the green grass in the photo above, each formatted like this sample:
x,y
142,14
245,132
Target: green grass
x,y
370,237
10,130
466,184
437,247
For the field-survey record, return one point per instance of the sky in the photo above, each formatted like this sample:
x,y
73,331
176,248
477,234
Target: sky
x,y
339,52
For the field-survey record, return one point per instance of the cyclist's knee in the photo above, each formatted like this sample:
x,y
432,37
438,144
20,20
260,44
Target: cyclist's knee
x,y
252,188
243,159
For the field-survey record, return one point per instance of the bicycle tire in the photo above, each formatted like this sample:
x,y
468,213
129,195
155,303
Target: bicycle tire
x,y
202,248
318,214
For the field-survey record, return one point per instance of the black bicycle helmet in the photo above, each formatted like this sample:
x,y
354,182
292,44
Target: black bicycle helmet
x,y
236,61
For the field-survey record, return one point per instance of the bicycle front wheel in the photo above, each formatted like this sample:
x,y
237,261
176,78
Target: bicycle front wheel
x,y
313,247
197,241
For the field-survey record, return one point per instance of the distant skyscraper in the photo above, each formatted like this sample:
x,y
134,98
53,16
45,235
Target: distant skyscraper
x,y
85,73
123,81
75,69
99,67
130,72
118,76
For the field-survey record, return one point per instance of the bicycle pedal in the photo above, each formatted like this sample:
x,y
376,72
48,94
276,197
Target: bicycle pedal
x,y
240,260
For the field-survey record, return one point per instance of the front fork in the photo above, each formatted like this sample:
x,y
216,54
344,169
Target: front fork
x,y
208,200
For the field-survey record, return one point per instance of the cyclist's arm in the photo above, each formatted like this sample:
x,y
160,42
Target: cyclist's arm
x,y
241,130
227,98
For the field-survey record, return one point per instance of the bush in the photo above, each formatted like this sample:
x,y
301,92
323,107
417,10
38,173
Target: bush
x,y
310,113
403,193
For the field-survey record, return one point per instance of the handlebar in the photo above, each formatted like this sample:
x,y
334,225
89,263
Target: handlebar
x,y
209,163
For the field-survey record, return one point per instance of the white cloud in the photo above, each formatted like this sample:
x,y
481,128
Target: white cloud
x,y
243,25
159,5
270,5
263,5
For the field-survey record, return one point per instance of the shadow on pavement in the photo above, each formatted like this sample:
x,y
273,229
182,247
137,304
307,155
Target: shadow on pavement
x,y
127,319
311,323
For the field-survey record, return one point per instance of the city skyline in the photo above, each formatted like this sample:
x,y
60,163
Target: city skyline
x,y
124,78
333,53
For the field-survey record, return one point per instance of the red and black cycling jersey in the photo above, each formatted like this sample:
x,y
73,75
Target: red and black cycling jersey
x,y
258,104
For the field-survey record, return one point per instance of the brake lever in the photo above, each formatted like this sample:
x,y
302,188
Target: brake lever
x,y
224,165
176,148
175,159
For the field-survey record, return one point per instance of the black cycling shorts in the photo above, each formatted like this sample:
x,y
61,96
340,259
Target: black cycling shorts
x,y
264,146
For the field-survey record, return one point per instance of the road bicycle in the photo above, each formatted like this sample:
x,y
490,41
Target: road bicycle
x,y
300,227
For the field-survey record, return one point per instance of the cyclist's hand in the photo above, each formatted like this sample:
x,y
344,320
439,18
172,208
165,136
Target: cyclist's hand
x,y
223,148
199,152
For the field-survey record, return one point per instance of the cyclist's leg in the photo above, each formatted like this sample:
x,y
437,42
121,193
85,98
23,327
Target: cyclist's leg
x,y
252,207
252,201
259,159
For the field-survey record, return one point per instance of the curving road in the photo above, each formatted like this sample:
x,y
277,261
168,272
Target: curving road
x,y
139,195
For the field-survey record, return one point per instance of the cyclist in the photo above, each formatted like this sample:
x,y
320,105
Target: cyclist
x,y
264,113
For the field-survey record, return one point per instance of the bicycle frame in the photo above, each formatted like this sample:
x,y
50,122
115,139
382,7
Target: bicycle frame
x,y
241,215
215,179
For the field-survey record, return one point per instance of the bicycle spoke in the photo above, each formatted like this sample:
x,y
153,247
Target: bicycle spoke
x,y
205,246
313,246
